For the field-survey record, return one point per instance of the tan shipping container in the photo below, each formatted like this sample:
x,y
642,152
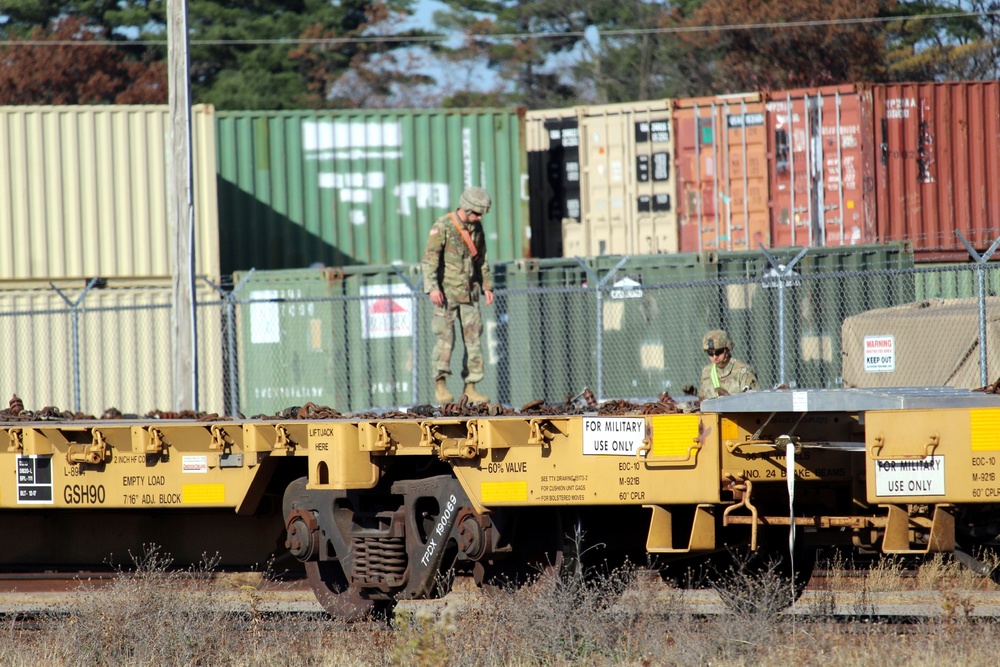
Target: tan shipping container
x,y
83,192
627,185
125,354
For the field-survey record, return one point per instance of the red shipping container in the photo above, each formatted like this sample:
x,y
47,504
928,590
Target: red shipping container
x,y
937,165
862,164
722,174
818,160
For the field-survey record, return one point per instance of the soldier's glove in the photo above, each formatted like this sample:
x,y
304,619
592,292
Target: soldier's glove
x,y
722,392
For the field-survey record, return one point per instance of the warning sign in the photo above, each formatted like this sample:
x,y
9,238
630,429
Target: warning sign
x,y
389,313
613,436
910,477
880,354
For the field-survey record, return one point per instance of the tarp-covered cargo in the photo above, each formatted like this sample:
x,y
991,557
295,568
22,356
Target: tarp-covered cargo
x,y
890,347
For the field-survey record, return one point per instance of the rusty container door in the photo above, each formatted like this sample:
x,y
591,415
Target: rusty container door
x,y
818,167
937,162
722,173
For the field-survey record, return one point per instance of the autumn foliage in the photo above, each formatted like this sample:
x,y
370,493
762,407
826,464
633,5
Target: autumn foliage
x,y
835,49
46,68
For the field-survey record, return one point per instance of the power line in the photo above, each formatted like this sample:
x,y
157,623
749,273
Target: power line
x,y
377,39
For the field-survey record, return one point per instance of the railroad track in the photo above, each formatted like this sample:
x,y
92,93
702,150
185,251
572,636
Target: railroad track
x,y
841,595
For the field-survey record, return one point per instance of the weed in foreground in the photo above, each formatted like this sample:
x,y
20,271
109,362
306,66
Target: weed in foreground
x,y
153,615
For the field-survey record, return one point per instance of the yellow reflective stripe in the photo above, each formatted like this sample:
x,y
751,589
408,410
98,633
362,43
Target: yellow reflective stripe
x,y
674,435
715,376
503,492
200,494
985,426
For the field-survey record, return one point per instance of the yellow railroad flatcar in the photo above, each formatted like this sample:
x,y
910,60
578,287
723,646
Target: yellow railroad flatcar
x,y
378,509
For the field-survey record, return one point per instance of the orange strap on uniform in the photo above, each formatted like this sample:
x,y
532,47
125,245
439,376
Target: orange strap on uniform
x,y
466,236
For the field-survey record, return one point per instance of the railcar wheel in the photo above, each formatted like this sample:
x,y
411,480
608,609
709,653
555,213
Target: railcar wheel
x,y
336,595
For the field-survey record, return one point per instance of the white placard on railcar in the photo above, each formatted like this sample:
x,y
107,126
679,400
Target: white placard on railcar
x,y
910,477
613,436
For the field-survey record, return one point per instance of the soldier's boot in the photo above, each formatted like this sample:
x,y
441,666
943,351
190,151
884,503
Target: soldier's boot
x,y
475,396
441,393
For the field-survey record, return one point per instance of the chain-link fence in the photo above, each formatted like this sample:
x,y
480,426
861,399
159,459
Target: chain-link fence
x,y
624,327
85,349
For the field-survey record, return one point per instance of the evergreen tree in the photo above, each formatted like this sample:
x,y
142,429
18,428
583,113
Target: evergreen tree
x,y
957,48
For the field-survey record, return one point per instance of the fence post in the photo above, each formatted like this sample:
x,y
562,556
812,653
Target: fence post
x,y
232,407
598,287
75,320
981,276
414,341
782,271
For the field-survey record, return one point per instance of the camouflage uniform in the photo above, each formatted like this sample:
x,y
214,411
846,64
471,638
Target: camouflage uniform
x,y
450,267
736,377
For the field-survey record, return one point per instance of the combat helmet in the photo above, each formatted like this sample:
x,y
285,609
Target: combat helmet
x,y
716,339
476,200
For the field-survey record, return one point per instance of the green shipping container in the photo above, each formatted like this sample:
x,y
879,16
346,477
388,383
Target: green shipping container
x,y
340,188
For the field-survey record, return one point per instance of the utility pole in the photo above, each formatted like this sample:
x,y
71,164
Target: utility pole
x,y
180,211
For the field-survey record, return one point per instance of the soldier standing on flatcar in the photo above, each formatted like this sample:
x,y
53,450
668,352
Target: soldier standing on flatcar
x,y
724,375
455,270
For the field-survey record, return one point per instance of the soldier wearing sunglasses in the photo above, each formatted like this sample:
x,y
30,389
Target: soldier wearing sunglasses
x,y
724,375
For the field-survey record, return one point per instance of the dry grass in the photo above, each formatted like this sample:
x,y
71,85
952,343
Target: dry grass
x,y
152,615
893,574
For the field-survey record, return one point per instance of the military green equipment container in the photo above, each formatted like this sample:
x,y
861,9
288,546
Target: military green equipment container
x,y
953,280
825,286
546,339
653,310
343,338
